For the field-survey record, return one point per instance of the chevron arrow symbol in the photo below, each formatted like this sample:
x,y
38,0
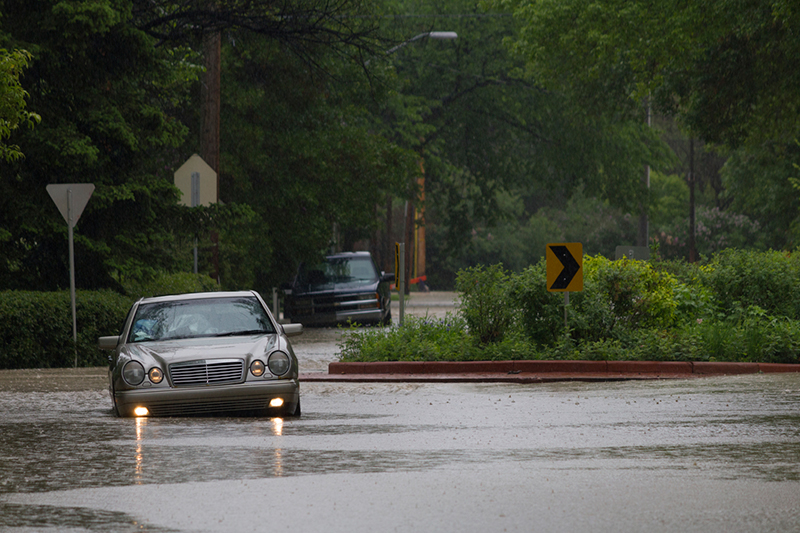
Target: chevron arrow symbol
x,y
571,267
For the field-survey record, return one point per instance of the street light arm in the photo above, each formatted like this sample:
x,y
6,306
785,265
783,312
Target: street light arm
x,y
443,35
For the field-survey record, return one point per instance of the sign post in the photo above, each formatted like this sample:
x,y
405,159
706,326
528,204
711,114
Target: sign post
x,y
400,275
197,182
564,270
71,199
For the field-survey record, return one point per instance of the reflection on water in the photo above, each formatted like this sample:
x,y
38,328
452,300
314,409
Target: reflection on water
x,y
277,470
277,430
141,422
277,426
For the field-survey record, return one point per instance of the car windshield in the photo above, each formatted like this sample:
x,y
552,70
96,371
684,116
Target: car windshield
x,y
357,270
208,317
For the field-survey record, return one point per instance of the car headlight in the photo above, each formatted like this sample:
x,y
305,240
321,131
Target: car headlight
x,y
133,373
156,375
279,363
257,368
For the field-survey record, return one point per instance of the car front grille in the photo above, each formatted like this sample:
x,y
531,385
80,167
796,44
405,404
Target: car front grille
x,y
331,304
207,407
215,372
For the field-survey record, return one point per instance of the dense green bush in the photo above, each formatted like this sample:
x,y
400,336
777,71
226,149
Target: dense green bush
x,y
540,314
770,280
738,306
427,339
618,296
485,302
36,327
420,339
162,284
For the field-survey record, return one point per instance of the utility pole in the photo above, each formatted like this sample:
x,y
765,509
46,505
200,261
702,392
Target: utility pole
x,y
692,241
644,222
209,139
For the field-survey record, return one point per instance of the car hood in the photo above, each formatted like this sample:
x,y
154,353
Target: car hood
x,y
203,348
343,287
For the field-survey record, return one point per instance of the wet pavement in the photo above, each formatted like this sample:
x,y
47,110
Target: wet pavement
x,y
319,346
718,454
713,454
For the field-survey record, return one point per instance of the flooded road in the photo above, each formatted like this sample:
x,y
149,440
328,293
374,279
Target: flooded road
x,y
717,454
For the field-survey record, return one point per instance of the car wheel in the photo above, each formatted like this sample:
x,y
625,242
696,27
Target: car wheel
x,y
114,407
387,320
296,409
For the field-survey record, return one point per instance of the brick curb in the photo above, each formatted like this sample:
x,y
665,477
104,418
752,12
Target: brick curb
x,y
534,371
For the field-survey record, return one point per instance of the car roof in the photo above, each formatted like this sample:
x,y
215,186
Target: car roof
x,y
197,296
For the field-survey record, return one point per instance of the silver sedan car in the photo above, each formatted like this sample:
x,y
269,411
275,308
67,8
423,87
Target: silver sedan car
x,y
203,353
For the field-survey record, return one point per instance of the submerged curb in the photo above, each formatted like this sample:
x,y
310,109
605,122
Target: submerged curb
x,y
534,371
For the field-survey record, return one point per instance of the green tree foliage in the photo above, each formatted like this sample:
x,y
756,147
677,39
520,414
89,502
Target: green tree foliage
x,y
109,101
500,145
758,184
12,101
726,66
116,85
723,68
307,156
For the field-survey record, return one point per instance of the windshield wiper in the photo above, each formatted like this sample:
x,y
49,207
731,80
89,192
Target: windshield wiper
x,y
244,332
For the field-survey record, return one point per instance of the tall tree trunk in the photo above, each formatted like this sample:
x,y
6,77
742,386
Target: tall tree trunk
x,y
643,238
692,241
209,141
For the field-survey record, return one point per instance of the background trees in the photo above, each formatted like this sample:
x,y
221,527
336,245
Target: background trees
x,y
721,69
529,128
12,100
110,102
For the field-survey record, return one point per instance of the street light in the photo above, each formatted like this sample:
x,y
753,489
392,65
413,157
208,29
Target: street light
x,y
418,216
439,35
442,35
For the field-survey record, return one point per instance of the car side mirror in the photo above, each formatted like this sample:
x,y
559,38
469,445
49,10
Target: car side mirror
x,y
108,343
387,277
292,330
285,288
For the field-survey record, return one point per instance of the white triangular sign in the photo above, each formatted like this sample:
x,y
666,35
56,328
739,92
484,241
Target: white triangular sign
x,y
77,193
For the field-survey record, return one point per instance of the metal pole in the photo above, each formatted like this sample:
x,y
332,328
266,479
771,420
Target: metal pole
x,y
194,202
70,224
401,284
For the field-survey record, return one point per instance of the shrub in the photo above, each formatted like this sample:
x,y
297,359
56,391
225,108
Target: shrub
x,y
738,307
36,327
163,284
769,280
635,293
540,313
486,304
420,339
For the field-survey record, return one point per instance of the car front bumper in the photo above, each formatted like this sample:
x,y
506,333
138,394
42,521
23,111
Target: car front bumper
x,y
367,316
219,399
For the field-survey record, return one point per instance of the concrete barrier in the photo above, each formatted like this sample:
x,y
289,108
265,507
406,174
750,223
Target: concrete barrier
x,y
538,371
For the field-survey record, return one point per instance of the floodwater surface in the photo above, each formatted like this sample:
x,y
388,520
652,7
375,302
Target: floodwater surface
x,y
715,454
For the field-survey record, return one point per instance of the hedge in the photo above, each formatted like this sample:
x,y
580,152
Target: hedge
x,y
36,327
736,306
